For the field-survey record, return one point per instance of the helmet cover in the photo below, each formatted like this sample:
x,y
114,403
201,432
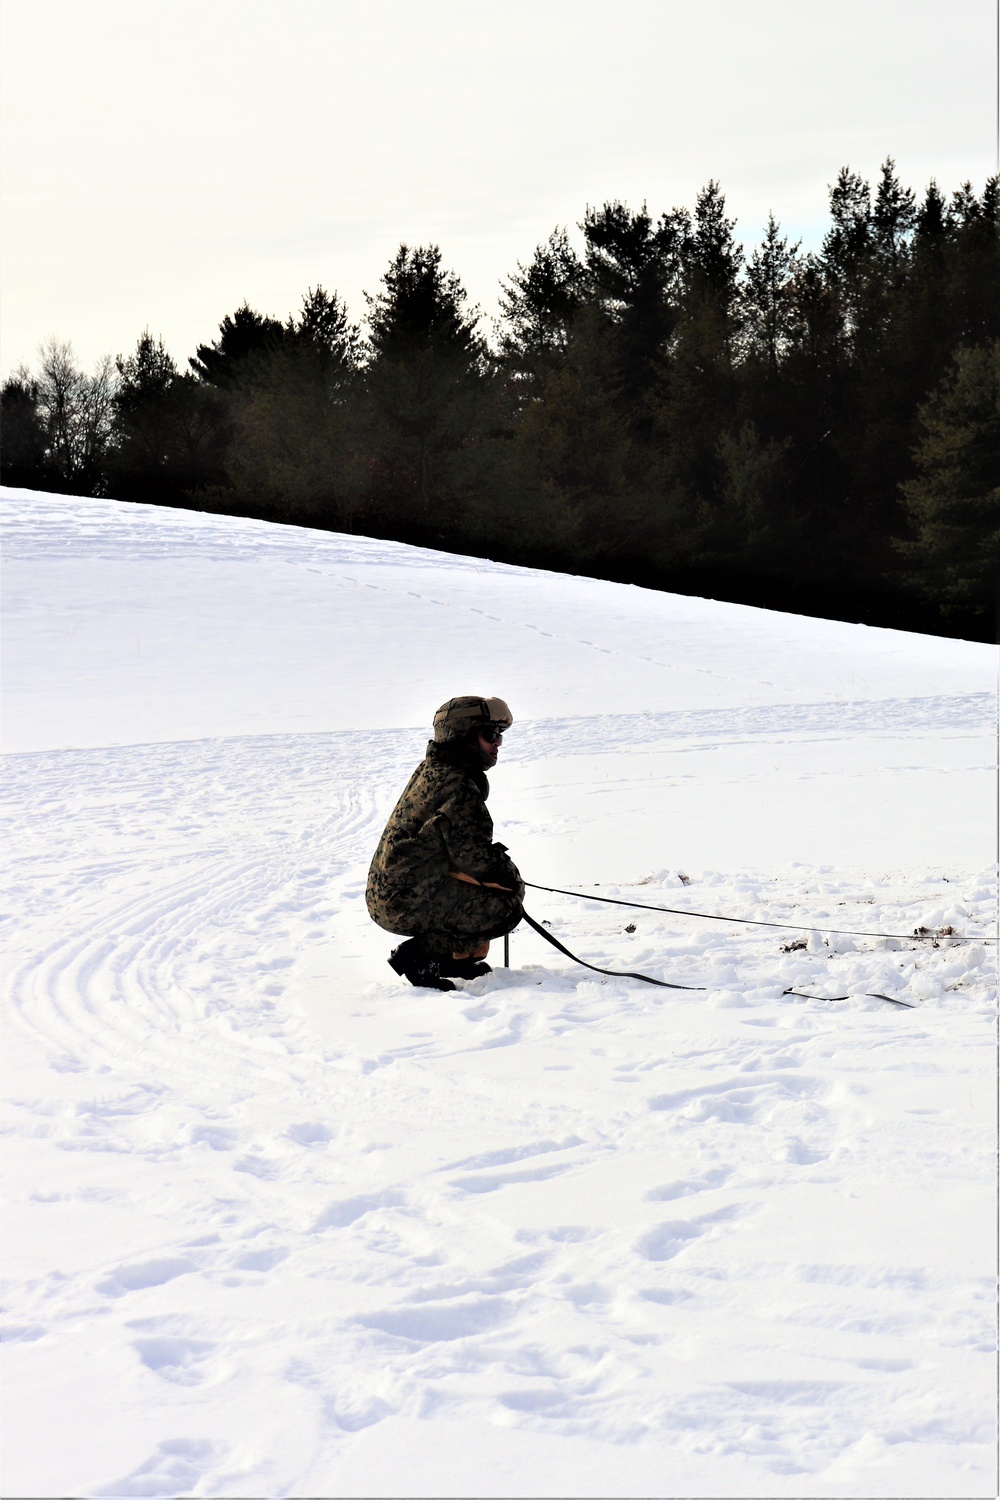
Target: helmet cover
x,y
455,718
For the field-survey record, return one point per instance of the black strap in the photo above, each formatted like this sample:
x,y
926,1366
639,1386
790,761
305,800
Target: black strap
x,y
868,994
666,985
614,973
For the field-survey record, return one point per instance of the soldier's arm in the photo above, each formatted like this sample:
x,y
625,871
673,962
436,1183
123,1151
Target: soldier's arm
x,y
467,830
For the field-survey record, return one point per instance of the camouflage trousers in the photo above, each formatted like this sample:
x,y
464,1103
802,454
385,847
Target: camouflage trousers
x,y
462,917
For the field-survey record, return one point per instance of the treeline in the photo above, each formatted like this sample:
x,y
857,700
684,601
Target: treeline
x,y
812,432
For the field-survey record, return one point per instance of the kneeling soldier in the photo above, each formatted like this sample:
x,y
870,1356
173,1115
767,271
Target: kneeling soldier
x,y
437,874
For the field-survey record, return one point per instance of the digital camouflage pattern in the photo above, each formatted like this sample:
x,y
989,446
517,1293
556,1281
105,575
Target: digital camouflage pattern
x,y
440,824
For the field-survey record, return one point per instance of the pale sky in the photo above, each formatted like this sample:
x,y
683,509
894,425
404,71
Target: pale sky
x,y
162,162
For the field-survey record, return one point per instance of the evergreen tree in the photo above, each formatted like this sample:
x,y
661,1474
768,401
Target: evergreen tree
x,y
292,453
421,310
633,275
954,502
584,339
236,355
537,307
24,459
572,475
428,397
930,223
767,303
749,529
228,372
974,263
140,456
927,322
712,258
170,430
893,217
847,243
695,398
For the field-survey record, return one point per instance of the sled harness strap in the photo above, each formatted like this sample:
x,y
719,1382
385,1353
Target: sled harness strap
x,y
666,985
678,911
614,973
663,984
868,994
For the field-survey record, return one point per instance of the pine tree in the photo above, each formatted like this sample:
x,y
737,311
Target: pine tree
x,y
633,276
712,257
584,339
766,300
695,398
954,502
928,329
974,263
572,475
537,306
169,429
291,455
236,355
24,458
427,397
893,217
846,246
749,530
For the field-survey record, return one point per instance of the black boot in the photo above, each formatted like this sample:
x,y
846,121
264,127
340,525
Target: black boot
x,y
464,968
412,961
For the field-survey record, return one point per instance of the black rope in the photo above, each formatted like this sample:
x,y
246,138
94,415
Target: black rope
x,y
666,985
678,911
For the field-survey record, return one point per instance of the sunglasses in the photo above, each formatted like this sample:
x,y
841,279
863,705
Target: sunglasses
x,y
491,734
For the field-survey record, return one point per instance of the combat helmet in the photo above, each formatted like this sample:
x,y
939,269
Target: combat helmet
x,y
455,718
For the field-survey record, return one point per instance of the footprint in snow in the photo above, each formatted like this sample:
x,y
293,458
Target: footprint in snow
x,y
669,1238
496,1180
180,1466
346,1211
21,1333
181,1361
509,1154
261,1260
353,1415
800,1154
439,1322
587,1294
143,1274
483,1012
790,1392
218,1137
257,1167
310,1133
685,1187
547,1401
737,1100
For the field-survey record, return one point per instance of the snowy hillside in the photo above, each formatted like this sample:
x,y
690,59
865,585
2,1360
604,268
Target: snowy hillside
x,y
279,1224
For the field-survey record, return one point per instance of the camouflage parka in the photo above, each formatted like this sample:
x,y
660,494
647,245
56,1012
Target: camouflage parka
x,y
439,824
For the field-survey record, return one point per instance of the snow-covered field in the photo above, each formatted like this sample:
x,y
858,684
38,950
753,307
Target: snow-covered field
x,y
278,1224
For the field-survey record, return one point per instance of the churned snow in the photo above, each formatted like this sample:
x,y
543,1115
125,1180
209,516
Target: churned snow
x,y
279,1224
